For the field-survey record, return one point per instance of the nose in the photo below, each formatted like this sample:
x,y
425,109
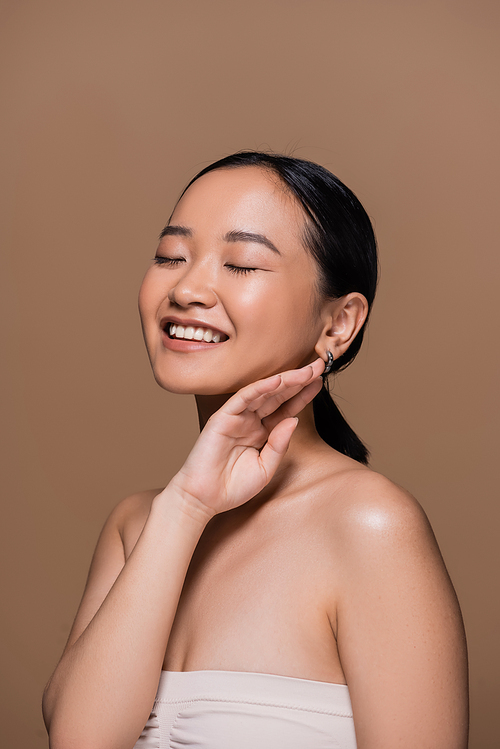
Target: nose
x,y
194,287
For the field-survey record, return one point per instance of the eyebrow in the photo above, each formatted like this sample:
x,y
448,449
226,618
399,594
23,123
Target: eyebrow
x,y
250,236
231,236
177,231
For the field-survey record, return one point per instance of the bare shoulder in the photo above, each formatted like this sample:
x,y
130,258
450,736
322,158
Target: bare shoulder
x,y
130,515
370,519
382,547
369,504
134,506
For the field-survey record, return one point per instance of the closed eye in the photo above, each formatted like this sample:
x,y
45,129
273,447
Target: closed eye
x,y
237,269
160,260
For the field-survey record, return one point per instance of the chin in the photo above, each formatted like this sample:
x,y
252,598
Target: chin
x,y
193,386
197,384
206,380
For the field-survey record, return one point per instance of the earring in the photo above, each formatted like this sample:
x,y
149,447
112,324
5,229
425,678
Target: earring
x,y
329,364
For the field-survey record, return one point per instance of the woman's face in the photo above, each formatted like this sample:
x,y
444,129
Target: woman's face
x,y
232,270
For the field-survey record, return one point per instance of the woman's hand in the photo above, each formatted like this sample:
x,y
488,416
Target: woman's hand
x,y
242,444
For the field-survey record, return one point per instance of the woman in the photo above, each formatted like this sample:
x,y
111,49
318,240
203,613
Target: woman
x,y
276,580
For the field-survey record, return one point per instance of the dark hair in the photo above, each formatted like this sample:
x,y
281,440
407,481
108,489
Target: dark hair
x,y
340,237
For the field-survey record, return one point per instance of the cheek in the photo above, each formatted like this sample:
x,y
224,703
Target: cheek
x,y
149,298
284,307
149,301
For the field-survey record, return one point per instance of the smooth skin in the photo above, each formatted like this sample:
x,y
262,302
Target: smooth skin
x,y
268,551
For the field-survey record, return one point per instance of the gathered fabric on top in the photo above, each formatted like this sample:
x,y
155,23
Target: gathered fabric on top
x,y
240,710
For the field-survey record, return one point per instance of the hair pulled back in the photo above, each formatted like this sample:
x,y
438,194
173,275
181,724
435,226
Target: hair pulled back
x,y
340,237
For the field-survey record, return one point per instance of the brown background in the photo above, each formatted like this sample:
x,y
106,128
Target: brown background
x,y
110,107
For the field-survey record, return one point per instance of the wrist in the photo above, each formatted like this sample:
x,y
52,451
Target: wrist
x,y
183,507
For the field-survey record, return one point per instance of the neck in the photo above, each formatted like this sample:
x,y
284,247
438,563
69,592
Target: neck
x,y
208,405
303,446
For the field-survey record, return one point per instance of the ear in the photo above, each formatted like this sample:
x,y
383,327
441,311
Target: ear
x,y
343,319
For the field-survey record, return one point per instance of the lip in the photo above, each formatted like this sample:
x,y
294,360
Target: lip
x,y
182,344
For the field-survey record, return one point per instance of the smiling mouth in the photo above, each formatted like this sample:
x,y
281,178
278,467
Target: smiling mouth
x,y
192,333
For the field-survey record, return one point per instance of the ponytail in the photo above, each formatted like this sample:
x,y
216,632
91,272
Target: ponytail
x,y
334,429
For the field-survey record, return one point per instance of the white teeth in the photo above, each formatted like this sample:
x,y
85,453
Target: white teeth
x,y
190,333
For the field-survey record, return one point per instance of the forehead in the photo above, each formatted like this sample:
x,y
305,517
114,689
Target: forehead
x,y
249,198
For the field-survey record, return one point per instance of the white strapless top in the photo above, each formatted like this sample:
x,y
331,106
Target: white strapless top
x,y
239,710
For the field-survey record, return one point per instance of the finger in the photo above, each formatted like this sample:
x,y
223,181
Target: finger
x,y
244,398
252,396
281,400
292,381
293,406
277,445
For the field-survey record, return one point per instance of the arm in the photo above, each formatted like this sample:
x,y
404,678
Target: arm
x,y
102,690
400,633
